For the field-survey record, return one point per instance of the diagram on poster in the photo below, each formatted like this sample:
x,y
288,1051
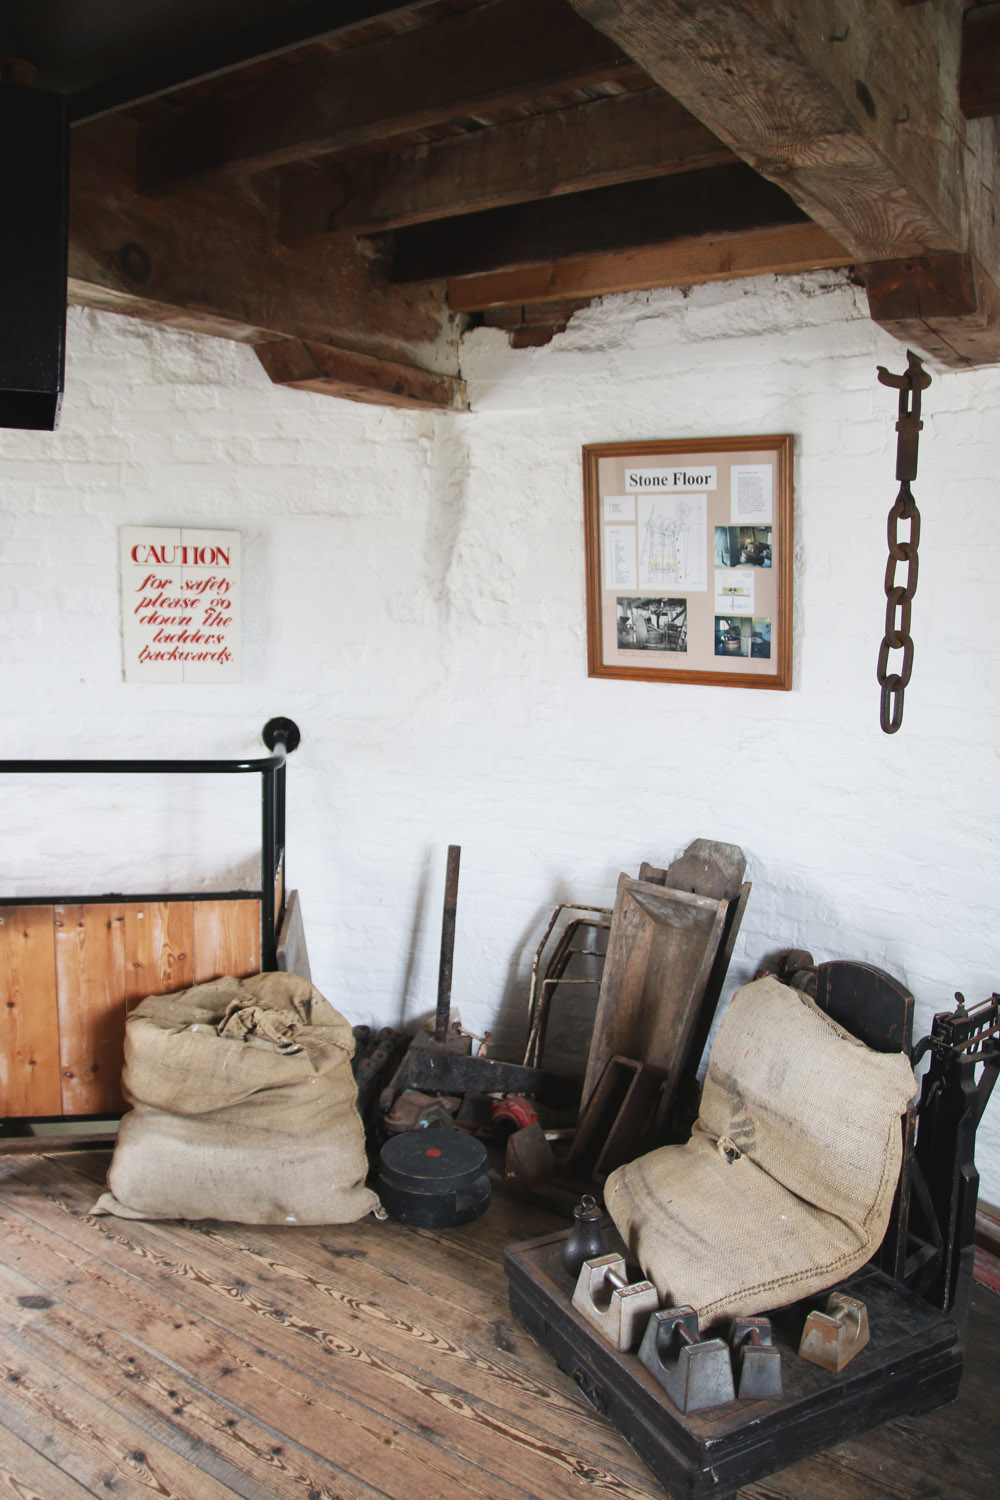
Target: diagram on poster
x,y
734,591
672,545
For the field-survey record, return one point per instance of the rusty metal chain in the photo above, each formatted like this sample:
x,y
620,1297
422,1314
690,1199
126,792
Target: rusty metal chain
x,y
899,596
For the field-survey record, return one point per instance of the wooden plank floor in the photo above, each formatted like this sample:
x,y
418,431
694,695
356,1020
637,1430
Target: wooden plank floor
x,y
367,1362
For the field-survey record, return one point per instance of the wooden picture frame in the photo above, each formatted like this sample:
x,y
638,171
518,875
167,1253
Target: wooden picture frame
x,y
689,560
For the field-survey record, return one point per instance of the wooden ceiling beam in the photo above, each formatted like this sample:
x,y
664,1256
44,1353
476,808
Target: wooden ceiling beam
x,y
304,365
798,247
600,221
774,91
209,261
619,139
934,302
979,83
496,54
852,108
270,37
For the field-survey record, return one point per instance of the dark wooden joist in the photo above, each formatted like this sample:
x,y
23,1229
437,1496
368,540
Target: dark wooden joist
x,y
209,260
496,54
623,138
275,34
689,262
934,302
852,108
307,366
979,85
717,200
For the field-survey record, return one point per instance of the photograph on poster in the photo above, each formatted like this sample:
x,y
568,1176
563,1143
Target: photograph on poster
x,y
689,554
652,624
760,639
739,636
732,636
743,546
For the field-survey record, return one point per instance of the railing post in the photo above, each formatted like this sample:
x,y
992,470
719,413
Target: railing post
x,y
281,736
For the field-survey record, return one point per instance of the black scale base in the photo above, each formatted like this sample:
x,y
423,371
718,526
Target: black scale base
x,y
913,1363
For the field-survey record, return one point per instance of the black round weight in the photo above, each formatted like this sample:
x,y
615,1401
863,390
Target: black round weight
x,y
433,1179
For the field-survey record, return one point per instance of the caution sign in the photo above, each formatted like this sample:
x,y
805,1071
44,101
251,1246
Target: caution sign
x,y
181,605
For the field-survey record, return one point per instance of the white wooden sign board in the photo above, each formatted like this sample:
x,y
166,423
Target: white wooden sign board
x,y
181,605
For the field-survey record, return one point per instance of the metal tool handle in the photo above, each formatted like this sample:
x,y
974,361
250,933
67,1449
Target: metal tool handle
x,y
447,943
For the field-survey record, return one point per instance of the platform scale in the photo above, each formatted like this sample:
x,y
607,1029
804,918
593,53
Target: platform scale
x,y
916,1292
913,1363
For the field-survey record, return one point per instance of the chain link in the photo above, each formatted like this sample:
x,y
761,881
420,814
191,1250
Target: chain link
x,y
899,596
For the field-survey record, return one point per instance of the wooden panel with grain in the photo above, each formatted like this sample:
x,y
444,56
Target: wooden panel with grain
x,y
158,948
90,982
69,974
661,951
29,1020
226,939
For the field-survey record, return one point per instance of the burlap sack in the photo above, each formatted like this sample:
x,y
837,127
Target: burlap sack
x,y
243,1108
786,1185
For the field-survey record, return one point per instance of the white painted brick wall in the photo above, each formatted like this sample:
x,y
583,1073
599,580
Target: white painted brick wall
x,y
414,598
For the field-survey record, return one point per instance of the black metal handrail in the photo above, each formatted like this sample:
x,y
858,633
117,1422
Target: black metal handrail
x,y
279,735
212,767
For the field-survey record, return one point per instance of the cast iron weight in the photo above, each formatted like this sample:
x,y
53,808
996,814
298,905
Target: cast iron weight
x,y
756,1360
832,1338
695,1373
586,1241
616,1307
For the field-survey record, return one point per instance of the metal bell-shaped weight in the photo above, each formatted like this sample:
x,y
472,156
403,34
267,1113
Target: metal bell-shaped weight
x,y
586,1241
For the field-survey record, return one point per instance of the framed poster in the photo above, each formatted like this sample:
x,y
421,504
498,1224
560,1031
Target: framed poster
x,y
689,560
